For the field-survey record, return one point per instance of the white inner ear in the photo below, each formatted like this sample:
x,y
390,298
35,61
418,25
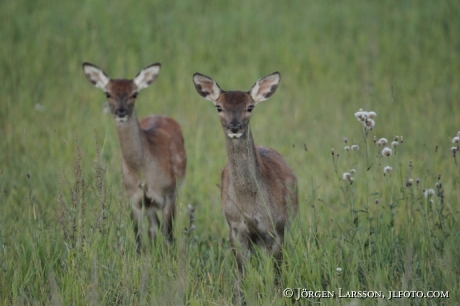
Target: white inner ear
x,y
96,76
209,87
146,76
265,87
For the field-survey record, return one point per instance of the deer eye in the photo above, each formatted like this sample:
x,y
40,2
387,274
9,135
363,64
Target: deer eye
x,y
134,95
250,108
219,109
107,95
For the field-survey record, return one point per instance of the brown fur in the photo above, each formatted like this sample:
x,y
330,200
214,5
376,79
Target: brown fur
x,y
153,153
259,190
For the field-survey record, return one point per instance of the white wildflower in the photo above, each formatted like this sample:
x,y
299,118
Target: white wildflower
x,y
346,176
453,150
409,182
386,151
361,115
347,148
352,171
355,147
366,118
456,139
387,169
428,193
382,141
369,123
394,144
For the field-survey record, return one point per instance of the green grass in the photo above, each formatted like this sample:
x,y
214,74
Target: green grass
x,y
65,233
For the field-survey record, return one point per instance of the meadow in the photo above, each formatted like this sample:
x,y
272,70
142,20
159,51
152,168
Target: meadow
x,y
65,233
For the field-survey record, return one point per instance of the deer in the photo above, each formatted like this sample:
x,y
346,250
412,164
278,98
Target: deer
x,y
258,190
152,149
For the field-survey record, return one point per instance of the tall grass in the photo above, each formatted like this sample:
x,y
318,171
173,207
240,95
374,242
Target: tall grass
x,y
65,233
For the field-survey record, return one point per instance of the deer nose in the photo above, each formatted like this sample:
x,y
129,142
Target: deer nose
x,y
121,112
234,126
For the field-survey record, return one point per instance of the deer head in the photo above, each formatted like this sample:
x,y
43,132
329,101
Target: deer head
x,y
121,93
235,107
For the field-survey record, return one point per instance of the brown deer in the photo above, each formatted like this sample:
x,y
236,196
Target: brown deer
x,y
153,153
259,190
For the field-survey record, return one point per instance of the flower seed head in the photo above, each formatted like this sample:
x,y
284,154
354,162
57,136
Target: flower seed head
x,y
347,148
355,147
345,140
352,171
386,151
369,124
360,115
409,182
387,169
417,180
456,139
394,144
382,141
428,193
371,114
346,176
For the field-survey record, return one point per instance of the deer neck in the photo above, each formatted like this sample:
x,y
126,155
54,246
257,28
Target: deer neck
x,y
243,162
131,141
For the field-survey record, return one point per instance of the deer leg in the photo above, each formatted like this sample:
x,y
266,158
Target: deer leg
x,y
169,211
277,253
154,223
136,217
239,241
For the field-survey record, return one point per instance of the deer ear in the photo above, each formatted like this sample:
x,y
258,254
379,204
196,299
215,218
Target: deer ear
x,y
147,76
95,75
265,87
206,87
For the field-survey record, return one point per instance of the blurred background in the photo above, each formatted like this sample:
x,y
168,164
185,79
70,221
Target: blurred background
x,y
400,59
